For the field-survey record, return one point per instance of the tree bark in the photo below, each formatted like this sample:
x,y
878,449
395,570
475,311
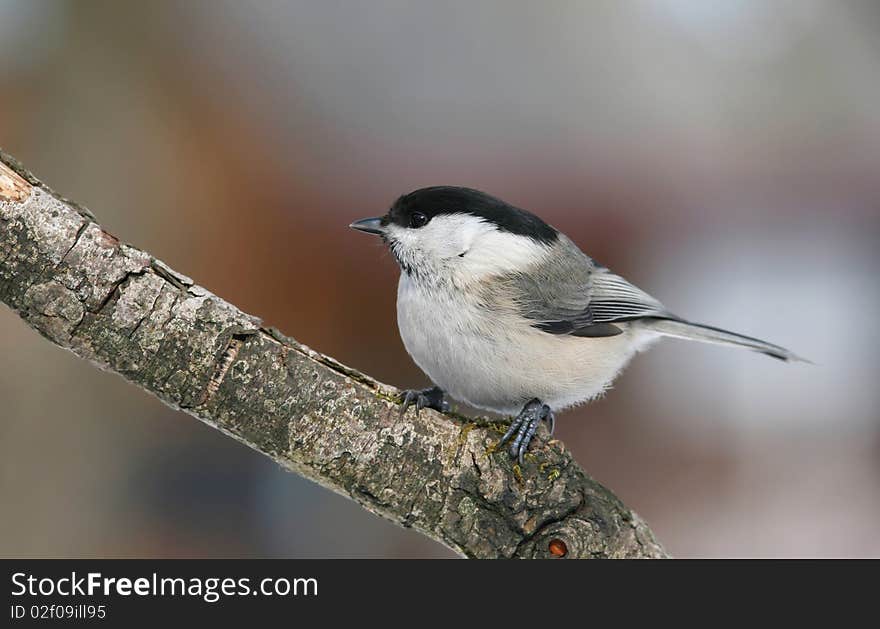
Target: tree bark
x,y
129,313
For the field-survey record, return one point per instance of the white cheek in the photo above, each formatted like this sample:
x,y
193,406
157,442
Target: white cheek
x,y
451,235
498,252
465,247
443,239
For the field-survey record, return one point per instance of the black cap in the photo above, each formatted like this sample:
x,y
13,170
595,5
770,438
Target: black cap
x,y
439,200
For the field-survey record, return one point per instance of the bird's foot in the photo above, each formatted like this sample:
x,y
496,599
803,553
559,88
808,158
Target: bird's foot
x,y
425,398
525,425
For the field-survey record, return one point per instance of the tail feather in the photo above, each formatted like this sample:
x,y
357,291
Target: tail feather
x,y
678,328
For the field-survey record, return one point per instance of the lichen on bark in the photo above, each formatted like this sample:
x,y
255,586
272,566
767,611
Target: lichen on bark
x,y
119,307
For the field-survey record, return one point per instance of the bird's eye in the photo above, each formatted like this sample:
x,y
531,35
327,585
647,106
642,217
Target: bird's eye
x,y
417,219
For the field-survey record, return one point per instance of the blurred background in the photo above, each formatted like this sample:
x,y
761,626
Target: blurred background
x,y
723,155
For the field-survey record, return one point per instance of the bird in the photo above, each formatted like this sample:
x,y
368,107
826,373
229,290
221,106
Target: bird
x,y
505,313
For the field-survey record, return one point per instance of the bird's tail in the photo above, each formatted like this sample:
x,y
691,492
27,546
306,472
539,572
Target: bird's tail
x,y
680,329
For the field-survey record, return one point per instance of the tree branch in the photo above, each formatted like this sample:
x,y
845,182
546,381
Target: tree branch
x,y
129,313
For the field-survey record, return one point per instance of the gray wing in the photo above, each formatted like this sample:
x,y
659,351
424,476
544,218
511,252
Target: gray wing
x,y
571,294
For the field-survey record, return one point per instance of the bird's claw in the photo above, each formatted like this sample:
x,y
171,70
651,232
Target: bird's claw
x,y
525,425
425,398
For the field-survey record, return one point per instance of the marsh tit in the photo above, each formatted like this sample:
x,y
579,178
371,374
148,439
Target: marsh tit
x,y
505,313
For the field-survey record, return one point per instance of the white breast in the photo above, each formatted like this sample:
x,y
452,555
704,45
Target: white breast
x,y
495,360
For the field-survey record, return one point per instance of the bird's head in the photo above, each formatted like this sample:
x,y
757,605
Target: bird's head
x,y
447,232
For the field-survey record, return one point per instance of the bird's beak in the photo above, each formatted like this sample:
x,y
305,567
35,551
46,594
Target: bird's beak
x,y
369,225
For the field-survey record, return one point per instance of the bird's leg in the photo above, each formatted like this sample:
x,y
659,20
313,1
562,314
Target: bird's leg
x,y
424,398
525,425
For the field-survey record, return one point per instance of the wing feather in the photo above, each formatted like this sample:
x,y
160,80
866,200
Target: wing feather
x,y
571,294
